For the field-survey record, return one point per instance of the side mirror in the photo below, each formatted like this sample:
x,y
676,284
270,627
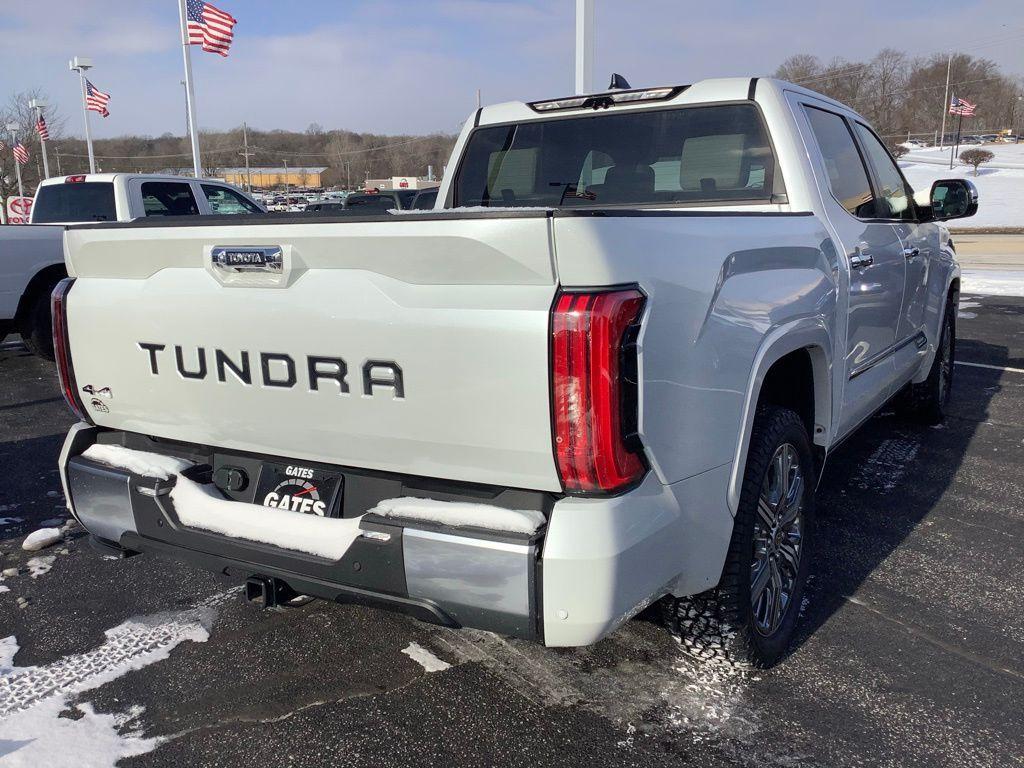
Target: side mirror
x,y
953,199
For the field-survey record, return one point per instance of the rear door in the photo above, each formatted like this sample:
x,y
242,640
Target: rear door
x,y
416,345
874,259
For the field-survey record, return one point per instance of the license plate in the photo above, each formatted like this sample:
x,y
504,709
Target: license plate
x,y
298,488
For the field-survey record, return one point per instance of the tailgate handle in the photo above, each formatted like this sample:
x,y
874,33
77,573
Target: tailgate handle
x,y
243,259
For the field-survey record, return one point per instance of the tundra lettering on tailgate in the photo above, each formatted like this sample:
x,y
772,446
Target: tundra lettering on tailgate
x,y
278,369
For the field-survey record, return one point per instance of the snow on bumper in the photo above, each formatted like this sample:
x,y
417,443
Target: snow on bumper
x,y
465,564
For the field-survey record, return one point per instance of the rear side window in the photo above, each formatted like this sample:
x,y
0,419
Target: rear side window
x,y
846,174
669,156
226,201
73,202
168,198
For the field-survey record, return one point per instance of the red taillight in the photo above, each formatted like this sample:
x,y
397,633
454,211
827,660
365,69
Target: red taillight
x,y
74,179
594,389
62,351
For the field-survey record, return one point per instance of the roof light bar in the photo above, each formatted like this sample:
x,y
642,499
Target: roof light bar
x,y
610,99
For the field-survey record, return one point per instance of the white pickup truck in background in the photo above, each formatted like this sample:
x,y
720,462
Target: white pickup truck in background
x,y
607,368
32,256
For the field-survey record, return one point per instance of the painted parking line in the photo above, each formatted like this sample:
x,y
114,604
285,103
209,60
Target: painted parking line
x,y
993,367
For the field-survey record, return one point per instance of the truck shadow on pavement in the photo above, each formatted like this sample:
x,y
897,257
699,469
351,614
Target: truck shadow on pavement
x,y
879,487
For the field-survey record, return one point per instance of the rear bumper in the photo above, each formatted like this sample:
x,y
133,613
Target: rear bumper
x,y
596,563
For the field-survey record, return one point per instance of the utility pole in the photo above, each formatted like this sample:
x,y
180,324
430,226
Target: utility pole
x,y
478,98
286,181
13,129
57,153
246,152
38,105
80,64
945,101
584,46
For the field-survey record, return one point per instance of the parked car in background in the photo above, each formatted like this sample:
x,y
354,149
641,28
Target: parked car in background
x,y
381,199
326,206
622,385
32,255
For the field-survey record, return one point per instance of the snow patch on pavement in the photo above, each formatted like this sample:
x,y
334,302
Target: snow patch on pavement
x,y
32,733
8,650
37,566
993,282
425,658
40,539
887,465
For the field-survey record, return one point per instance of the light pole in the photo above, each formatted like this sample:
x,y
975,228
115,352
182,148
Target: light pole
x,y
584,46
13,130
80,64
38,106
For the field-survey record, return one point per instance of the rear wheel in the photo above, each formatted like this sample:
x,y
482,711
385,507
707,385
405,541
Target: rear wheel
x,y
926,402
748,619
37,331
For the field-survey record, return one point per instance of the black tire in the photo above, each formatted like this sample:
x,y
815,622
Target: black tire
x,y
721,624
926,402
37,330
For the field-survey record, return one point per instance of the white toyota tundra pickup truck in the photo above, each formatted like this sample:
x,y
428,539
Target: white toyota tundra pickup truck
x,y
32,256
606,370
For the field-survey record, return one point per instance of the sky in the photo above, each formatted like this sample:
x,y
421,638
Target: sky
x,y
414,66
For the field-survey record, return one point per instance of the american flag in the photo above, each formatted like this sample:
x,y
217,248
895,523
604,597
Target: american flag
x,y
96,100
961,107
20,153
209,27
42,130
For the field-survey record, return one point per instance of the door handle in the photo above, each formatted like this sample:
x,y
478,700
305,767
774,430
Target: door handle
x,y
911,253
861,260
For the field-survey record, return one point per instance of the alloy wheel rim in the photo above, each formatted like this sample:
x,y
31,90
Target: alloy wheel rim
x,y
778,540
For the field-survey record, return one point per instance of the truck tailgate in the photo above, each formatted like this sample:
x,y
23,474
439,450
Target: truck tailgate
x,y
416,345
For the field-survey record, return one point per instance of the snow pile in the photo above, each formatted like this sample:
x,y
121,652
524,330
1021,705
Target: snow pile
x,y
202,506
425,658
41,539
462,514
142,463
992,282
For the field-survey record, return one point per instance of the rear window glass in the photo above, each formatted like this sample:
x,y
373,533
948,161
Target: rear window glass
x,y
683,155
168,198
82,201
370,201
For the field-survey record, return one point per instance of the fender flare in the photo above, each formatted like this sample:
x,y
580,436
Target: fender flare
x,y
811,334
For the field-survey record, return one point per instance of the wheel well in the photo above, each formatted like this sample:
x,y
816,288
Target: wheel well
x,y
43,280
790,383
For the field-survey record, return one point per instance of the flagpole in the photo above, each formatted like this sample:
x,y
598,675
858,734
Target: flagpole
x,y
38,106
959,124
951,148
79,65
190,95
13,128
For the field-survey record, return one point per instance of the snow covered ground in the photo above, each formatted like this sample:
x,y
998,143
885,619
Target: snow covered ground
x,y
1000,183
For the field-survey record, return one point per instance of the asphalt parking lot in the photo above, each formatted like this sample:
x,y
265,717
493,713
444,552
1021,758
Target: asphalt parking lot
x,y
911,650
